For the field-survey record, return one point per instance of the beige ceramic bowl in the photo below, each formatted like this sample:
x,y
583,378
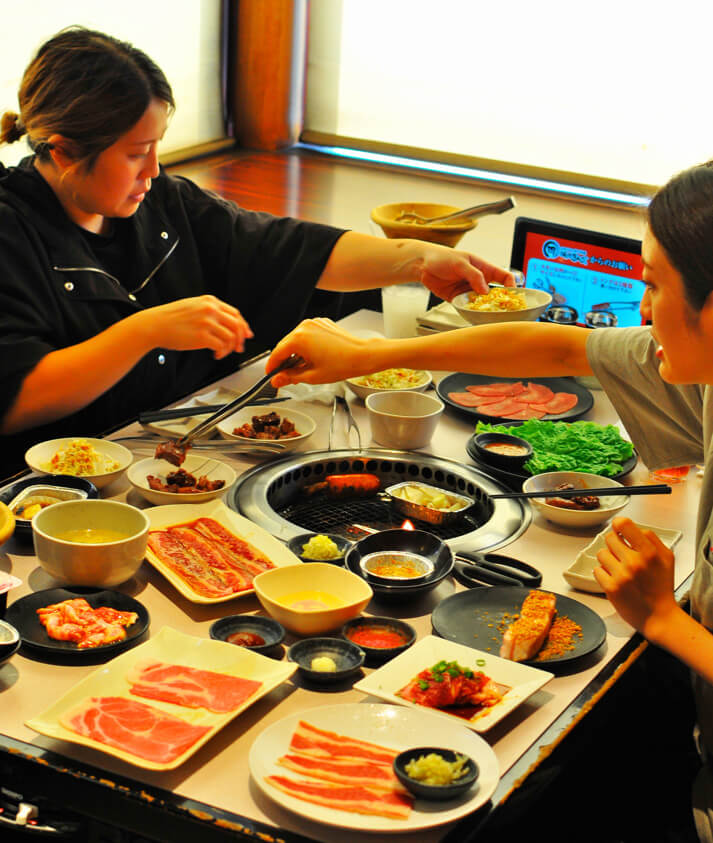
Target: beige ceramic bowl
x,y
403,419
576,518
386,216
78,563
195,464
363,392
537,303
305,425
292,595
38,457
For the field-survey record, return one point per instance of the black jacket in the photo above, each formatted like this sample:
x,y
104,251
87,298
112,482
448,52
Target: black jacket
x,y
182,241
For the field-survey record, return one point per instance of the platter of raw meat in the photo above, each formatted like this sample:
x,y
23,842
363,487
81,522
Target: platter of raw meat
x,y
157,704
494,399
333,765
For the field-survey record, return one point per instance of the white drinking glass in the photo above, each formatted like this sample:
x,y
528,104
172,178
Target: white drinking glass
x,y
402,304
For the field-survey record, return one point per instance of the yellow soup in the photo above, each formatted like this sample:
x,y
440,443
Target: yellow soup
x,y
311,600
89,535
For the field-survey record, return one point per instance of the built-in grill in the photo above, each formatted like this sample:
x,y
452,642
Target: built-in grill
x,y
272,496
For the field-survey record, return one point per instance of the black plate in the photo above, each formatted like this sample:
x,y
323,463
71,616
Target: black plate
x,y
458,381
472,618
22,614
24,527
515,479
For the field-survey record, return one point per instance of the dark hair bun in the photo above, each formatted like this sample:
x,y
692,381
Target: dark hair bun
x,y
11,129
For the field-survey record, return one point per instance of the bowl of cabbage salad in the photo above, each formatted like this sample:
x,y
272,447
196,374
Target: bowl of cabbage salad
x,y
389,380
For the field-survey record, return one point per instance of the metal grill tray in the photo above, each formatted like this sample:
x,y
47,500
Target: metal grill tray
x,y
269,495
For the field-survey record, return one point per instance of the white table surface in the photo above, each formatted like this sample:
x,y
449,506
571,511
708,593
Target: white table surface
x,y
217,774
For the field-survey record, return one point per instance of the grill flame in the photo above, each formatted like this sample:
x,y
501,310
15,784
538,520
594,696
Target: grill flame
x,y
407,525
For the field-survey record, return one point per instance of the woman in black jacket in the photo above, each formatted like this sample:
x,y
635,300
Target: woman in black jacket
x,y
123,288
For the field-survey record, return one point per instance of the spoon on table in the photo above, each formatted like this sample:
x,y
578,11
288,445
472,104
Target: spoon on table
x,y
466,214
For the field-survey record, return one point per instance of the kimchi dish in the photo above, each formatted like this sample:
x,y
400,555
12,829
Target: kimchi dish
x,y
450,687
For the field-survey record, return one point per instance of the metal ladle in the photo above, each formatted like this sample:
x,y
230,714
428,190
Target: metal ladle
x,y
466,214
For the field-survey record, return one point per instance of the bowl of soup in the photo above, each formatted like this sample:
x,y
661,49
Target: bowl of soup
x,y
90,542
312,599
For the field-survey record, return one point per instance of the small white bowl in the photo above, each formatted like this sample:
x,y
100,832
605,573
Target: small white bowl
x,y
403,419
364,392
38,457
577,518
537,303
304,424
342,593
196,464
100,563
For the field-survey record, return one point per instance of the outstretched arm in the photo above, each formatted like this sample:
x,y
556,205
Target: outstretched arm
x,y
526,349
361,262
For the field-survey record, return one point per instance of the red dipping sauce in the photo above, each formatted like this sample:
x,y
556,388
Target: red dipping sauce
x,y
246,639
377,638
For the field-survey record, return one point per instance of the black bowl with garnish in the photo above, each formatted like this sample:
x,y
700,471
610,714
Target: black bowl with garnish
x,y
435,762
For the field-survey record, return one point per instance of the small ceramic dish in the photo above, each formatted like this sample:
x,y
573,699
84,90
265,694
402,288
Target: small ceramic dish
x,y
10,641
415,380
537,301
270,631
503,450
580,573
346,656
297,543
380,638
609,505
438,792
396,566
196,464
304,425
116,458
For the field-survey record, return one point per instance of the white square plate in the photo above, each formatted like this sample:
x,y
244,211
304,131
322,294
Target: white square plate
x,y
579,574
175,648
520,680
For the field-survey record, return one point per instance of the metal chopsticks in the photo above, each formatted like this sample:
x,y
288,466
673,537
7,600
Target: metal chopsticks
x,y
237,403
652,489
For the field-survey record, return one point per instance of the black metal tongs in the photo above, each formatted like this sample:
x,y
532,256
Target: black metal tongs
x,y
242,399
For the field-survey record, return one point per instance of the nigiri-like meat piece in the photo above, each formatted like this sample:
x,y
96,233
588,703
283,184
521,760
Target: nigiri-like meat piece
x,y
525,636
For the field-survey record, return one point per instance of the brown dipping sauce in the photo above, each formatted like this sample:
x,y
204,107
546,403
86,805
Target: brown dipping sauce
x,y
506,449
246,639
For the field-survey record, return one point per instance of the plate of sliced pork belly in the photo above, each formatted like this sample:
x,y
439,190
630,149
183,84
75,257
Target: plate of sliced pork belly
x,y
458,683
155,705
529,626
493,399
210,553
333,765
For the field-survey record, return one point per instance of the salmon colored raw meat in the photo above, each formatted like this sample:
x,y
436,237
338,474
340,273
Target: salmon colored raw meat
x,y
190,687
353,798
133,727
465,399
310,740
559,403
504,389
345,771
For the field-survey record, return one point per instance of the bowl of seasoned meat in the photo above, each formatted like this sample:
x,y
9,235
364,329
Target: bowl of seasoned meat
x,y
271,423
199,479
581,510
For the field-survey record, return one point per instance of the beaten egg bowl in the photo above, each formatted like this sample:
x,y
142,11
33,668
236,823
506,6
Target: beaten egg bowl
x,y
310,600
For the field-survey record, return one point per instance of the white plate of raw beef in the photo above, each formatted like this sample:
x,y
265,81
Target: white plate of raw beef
x,y
155,705
493,399
323,740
